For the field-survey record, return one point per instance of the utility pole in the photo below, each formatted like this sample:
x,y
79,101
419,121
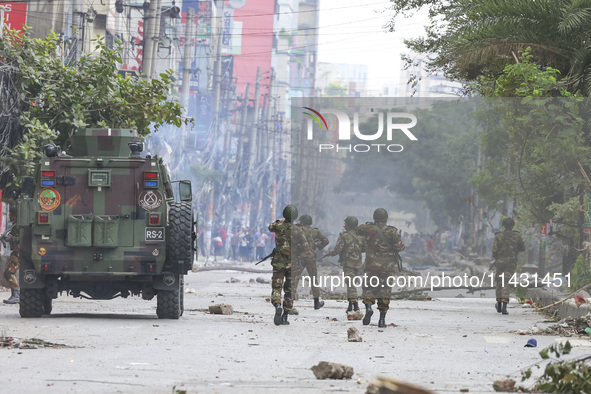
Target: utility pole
x,y
243,124
156,36
253,139
78,29
2,21
188,58
150,33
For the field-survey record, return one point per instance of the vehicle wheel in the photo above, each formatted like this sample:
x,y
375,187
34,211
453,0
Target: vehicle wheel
x,y
168,303
47,305
180,239
31,304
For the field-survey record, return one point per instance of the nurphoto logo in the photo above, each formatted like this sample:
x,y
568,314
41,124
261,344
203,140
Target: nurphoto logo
x,y
395,122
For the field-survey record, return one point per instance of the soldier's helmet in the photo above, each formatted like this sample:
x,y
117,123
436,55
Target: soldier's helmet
x,y
306,219
351,222
508,223
290,213
380,215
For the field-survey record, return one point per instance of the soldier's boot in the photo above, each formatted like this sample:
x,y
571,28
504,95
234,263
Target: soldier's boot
x,y
382,321
318,304
284,318
368,314
498,306
15,297
504,309
278,310
356,306
350,307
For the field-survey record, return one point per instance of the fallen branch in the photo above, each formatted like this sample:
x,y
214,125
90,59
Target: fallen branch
x,y
564,299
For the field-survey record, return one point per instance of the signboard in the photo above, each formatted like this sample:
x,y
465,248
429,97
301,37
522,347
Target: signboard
x,y
203,22
15,15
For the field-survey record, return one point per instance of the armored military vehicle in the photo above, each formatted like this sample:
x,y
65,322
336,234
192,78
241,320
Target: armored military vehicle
x,y
102,222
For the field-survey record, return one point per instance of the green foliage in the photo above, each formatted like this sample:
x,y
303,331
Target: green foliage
x,y
335,89
468,39
434,169
581,275
534,138
572,376
57,99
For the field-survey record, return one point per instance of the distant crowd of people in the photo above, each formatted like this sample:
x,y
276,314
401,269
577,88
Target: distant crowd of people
x,y
238,244
444,240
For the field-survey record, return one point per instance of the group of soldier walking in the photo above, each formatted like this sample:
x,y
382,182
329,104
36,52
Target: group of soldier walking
x,y
296,246
295,251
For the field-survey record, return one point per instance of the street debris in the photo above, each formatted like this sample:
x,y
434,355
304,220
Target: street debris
x,y
354,315
328,370
221,309
383,385
190,291
263,280
506,385
567,327
234,280
33,343
353,335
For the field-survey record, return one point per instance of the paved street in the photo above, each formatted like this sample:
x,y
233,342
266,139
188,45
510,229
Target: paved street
x,y
445,344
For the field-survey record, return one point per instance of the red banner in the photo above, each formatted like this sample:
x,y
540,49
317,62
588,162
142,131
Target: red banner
x,y
15,15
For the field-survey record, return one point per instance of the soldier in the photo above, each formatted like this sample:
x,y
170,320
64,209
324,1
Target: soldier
x,y
306,258
383,245
13,260
286,236
506,246
349,247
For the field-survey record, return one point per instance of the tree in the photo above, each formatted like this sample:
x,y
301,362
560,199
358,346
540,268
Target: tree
x,y
467,39
55,99
335,89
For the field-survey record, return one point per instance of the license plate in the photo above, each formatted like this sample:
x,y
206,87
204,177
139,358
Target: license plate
x,y
154,233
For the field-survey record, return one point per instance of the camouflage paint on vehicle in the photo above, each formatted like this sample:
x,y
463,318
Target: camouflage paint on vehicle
x,y
97,223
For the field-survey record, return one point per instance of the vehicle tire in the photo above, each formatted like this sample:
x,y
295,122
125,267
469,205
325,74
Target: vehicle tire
x,y
47,305
168,303
31,304
180,240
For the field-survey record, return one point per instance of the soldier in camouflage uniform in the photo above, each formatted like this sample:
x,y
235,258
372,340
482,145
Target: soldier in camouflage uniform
x,y
349,247
13,260
286,236
506,246
383,244
306,258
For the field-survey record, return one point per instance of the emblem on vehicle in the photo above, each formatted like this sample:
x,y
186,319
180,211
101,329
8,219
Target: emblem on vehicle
x,y
168,279
49,199
30,276
155,252
150,200
42,251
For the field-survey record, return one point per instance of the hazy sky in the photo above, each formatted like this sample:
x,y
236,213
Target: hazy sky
x,y
352,31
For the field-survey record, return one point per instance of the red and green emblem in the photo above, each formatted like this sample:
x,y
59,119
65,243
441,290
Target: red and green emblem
x,y
49,199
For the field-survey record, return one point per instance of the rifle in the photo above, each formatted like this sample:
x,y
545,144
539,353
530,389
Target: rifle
x,y
398,260
493,265
326,255
6,234
266,257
